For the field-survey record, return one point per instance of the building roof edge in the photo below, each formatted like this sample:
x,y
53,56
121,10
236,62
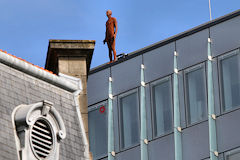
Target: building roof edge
x,y
36,71
169,40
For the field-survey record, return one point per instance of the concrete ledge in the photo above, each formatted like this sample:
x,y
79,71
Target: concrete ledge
x,y
68,48
71,44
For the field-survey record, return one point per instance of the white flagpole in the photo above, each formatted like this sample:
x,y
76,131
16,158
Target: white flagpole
x,y
210,11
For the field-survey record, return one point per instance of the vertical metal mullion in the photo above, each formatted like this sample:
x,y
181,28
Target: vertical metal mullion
x,y
211,110
143,136
111,153
177,122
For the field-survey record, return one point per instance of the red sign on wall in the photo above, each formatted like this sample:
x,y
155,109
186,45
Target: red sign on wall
x,y
102,109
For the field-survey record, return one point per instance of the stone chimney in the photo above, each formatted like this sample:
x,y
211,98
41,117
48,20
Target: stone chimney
x,y
72,57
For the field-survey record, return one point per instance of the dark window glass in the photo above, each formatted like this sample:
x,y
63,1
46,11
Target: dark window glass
x,y
196,95
233,155
230,78
162,107
129,119
97,120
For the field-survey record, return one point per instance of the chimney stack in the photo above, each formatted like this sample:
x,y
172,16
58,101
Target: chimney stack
x,y
72,57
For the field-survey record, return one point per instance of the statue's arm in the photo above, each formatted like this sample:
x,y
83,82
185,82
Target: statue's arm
x,y
105,36
104,41
116,27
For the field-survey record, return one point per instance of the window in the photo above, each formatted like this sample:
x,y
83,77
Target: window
x,y
162,107
233,155
97,119
230,80
129,120
196,94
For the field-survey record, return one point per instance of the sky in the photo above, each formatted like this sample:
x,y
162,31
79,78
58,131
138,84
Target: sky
x,y
27,25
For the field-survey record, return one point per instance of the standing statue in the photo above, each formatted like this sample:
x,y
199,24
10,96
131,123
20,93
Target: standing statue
x,y
111,32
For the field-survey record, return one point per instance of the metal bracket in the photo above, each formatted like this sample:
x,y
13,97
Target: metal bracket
x,y
216,153
213,116
210,58
145,141
110,96
179,129
143,84
176,70
209,40
113,153
175,53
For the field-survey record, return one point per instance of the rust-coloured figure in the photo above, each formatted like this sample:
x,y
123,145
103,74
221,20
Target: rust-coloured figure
x,y
111,32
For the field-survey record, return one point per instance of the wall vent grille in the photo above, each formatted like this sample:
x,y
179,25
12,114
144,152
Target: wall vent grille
x,y
41,139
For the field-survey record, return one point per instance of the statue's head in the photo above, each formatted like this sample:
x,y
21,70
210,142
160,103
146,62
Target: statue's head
x,y
109,13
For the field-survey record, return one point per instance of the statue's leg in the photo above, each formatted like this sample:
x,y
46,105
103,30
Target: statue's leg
x,y
114,50
109,51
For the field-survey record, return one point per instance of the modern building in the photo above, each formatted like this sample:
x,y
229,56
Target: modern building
x,y
189,86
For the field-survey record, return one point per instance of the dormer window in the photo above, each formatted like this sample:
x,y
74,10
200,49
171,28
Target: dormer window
x,y
39,131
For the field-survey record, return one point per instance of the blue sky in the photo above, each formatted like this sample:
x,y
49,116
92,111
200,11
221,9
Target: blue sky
x,y
27,25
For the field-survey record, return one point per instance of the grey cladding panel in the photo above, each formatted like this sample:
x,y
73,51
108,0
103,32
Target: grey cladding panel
x,y
126,75
228,131
159,62
97,87
162,148
192,49
225,36
130,154
196,142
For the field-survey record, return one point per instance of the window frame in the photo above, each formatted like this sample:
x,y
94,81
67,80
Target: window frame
x,y
94,108
228,153
185,72
221,94
136,90
152,84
